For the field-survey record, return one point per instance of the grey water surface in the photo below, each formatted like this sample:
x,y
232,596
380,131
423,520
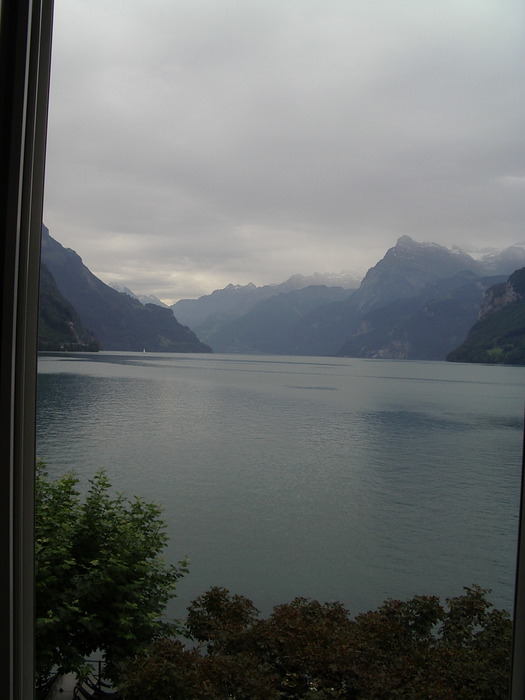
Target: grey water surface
x,y
330,478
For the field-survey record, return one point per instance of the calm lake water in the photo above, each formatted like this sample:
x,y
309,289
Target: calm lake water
x,y
336,479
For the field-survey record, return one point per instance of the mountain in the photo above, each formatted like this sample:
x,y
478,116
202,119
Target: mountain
x,y
407,268
269,327
499,334
403,276
210,313
417,302
423,327
501,262
143,298
117,320
59,326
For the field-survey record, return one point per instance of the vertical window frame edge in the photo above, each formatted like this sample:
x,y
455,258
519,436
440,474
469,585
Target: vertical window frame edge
x,y
25,32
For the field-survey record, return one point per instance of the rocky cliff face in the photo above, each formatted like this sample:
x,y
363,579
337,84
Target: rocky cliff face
x,y
424,327
499,334
497,297
407,268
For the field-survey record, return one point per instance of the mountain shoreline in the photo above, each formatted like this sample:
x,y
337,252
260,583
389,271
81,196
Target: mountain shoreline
x,y
420,301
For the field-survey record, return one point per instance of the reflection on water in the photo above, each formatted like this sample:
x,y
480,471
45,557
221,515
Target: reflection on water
x,y
330,478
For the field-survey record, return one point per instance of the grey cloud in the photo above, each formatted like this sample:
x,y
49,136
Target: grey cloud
x,y
201,143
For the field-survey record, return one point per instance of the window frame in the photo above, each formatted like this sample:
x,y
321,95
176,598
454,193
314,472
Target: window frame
x,y
25,56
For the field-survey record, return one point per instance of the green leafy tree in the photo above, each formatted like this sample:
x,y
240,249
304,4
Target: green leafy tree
x,y
418,649
101,582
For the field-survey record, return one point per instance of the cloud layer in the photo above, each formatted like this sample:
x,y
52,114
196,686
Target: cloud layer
x,y
193,143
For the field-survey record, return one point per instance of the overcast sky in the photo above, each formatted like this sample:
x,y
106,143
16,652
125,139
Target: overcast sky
x,y
194,143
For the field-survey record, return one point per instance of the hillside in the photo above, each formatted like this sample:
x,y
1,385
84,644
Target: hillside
x,y
498,337
117,320
409,305
59,326
269,327
417,302
211,313
424,327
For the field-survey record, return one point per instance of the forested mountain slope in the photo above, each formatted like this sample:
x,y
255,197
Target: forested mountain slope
x,y
499,334
59,326
117,320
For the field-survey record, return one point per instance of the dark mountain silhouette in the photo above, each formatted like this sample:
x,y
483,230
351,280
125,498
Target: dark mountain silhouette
x,y
211,313
498,336
269,327
59,325
423,327
117,320
418,302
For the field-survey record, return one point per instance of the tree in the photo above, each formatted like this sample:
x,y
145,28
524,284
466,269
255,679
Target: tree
x,y
101,583
405,649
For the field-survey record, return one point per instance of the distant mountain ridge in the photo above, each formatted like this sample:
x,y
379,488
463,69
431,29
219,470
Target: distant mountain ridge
x,y
417,302
117,320
143,298
208,313
495,260
269,327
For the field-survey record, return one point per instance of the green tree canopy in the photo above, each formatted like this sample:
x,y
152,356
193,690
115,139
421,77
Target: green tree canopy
x,y
418,649
101,582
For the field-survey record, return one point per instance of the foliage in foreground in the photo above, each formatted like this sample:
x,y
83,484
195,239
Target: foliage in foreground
x,y
413,649
101,584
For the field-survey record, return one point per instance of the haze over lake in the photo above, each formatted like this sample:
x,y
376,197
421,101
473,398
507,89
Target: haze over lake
x,y
331,478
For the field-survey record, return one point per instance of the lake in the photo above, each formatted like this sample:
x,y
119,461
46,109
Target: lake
x,y
330,478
